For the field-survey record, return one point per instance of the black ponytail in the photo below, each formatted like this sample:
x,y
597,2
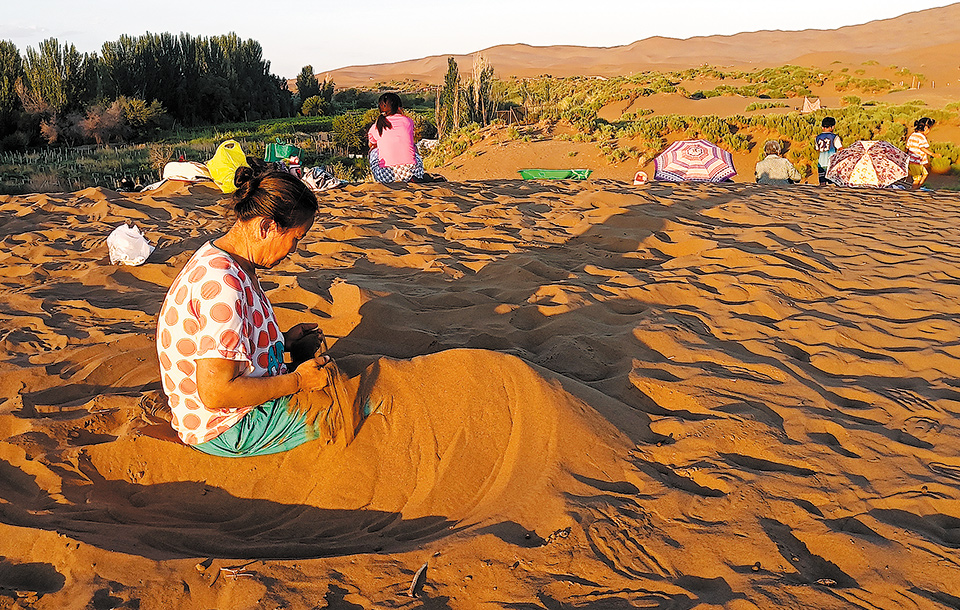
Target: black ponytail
x,y
389,103
924,123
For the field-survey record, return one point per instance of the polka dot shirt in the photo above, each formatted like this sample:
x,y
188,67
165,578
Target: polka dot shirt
x,y
213,310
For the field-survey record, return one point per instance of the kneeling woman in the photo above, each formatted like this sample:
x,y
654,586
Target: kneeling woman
x,y
393,153
218,342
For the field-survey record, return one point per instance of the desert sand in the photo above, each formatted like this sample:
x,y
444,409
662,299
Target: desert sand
x,y
924,41
591,395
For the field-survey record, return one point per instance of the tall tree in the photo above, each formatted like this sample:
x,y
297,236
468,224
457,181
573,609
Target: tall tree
x,y
198,80
11,68
448,101
61,76
326,91
307,84
483,106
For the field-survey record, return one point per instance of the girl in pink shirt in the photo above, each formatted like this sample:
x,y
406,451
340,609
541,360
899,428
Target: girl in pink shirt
x,y
393,152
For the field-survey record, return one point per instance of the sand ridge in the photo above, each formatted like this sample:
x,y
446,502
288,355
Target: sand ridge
x,y
919,40
593,395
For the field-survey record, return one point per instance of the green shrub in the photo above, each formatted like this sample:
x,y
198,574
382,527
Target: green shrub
x,y
949,150
940,165
765,105
349,131
314,106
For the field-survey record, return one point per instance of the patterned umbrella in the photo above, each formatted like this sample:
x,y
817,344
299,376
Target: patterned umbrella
x,y
867,163
696,160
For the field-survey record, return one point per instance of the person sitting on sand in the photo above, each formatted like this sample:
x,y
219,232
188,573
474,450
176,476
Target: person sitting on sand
x,y
918,151
393,152
774,169
219,344
827,144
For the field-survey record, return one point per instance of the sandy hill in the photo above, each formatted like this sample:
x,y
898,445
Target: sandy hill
x,y
683,396
918,40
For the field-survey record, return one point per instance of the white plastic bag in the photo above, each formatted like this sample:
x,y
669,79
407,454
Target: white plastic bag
x,y
128,246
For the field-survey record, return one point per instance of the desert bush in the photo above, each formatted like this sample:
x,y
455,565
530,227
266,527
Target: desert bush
x,y
47,182
940,165
423,125
351,170
866,85
160,154
949,150
893,132
313,106
736,142
765,105
349,131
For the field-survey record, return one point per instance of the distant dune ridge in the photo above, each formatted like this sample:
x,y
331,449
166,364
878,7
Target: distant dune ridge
x,y
909,40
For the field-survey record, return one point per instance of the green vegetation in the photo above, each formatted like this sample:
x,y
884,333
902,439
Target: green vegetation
x,y
135,87
867,85
642,135
336,142
60,169
312,97
128,93
765,105
459,104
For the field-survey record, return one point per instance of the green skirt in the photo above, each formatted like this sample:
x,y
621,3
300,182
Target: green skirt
x,y
267,428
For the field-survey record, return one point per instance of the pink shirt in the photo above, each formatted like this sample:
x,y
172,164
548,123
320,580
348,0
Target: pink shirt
x,y
213,310
395,144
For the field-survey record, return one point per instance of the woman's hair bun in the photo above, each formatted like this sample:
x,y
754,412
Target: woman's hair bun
x,y
243,175
280,196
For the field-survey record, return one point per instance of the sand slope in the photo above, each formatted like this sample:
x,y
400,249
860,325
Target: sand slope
x,y
592,395
919,40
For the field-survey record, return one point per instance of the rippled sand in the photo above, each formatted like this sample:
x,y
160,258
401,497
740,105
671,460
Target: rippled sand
x,y
592,395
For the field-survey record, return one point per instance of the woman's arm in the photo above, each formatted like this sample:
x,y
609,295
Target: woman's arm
x,y
221,383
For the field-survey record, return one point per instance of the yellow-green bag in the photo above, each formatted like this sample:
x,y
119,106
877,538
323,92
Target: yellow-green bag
x,y
223,166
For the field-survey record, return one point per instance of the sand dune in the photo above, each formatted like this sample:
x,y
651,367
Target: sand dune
x,y
591,395
919,40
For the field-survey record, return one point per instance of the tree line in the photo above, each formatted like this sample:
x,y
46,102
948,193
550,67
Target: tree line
x,y
135,86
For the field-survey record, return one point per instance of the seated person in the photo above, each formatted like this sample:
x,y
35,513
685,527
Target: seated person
x,y
393,152
774,169
220,348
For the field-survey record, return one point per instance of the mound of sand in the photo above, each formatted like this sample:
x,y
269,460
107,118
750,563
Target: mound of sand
x,y
591,395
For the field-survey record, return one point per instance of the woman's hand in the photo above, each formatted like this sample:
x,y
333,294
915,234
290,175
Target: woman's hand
x,y
314,373
302,341
325,400
306,331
